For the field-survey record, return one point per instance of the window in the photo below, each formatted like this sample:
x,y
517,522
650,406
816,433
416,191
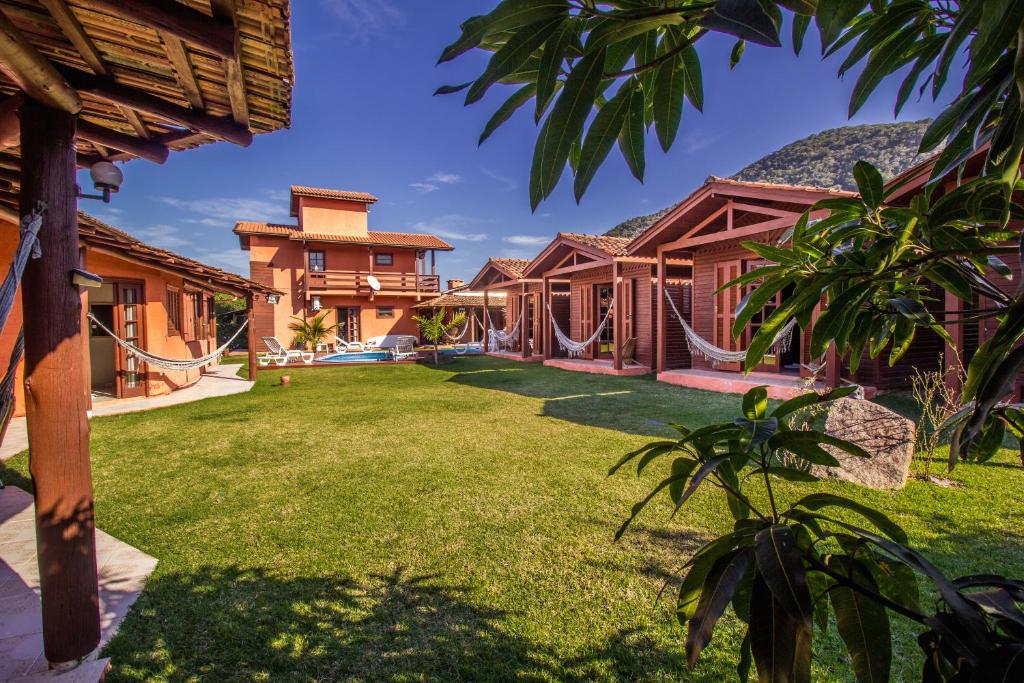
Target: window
x,y
385,311
317,261
383,259
173,312
197,318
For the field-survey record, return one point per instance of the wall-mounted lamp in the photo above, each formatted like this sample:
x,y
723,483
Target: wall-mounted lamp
x,y
84,278
273,299
107,178
316,304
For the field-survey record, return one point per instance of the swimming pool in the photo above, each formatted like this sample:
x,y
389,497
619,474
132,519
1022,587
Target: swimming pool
x,y
360,357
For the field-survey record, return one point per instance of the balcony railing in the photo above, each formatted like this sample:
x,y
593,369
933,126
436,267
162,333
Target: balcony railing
x,y
351,280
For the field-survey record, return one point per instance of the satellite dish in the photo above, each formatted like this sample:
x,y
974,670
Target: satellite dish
x,y
373,282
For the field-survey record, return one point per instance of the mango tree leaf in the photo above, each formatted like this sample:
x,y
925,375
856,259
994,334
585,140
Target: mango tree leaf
x,y
449,89
564,126
863,624
669,89
505,111
693,79
737,53
780,642
781,567
512,55
603,132
869,184
551,59
745,19
755,403
833,16
681,469
631,137
507,16
882,62
817,501
721,583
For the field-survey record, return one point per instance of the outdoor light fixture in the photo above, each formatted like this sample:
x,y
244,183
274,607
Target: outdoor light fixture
x,y
106,177
272,299
84,278
316,304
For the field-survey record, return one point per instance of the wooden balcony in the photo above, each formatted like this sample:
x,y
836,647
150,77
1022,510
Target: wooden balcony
x,y
356,281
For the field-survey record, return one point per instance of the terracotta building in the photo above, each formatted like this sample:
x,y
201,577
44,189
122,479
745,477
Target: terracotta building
x,y
368,281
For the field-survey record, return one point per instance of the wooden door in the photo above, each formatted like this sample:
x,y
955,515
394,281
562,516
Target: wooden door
x,y
725,310
129,325
587,318
771,361
348,323
628,309
603,298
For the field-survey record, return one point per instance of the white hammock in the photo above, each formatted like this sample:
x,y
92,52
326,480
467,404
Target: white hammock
x,y
496,338
465,329
706,349
169,363
575,348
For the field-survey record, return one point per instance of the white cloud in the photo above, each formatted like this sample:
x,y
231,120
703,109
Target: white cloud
x,y
509,184
445,178
364,18
424,187
526,240
449,232
163,236
234,260
231,209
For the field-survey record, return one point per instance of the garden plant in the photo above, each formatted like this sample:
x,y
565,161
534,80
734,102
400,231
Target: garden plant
x,y
435,328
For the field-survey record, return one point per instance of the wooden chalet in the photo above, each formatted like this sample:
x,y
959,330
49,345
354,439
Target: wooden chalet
x,y
459,298
585,278
85,82
522,296
708,228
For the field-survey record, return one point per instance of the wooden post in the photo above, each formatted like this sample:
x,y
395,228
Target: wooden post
x,y
951,360
250,315
433,262
617,315
660,306
58,429
487,312
833,369
524,334
546,317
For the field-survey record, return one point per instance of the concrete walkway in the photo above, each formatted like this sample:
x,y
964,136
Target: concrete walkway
x,y
222,380
123,571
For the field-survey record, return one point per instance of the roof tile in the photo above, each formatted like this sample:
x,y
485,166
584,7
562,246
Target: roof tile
x,y
614,246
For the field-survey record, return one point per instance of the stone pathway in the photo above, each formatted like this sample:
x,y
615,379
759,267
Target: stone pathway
x,y
222,380
123,571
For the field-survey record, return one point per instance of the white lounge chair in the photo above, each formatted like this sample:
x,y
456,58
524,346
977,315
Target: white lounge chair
x,y
278,351
349,346
389,341
404,348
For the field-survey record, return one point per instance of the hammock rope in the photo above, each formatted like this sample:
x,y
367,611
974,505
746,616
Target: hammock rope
x,y
169,363
469,323
567,344
496,338
702,347
28,247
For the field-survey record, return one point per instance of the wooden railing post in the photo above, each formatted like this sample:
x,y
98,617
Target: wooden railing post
x,y
660,308
617,316
58,429
486,319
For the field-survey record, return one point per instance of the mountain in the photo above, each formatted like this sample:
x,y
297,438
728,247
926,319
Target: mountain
x,y
824,159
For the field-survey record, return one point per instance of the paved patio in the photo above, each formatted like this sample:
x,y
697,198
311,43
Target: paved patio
x,y
123,571
221,380
598,366
780,386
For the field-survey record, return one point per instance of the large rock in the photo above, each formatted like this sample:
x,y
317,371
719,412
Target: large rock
x,y
887,436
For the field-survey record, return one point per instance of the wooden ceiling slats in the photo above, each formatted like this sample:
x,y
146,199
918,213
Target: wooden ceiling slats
x,y
222,101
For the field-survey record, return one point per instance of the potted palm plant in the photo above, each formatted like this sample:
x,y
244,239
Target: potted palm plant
x,y
311,332
434,328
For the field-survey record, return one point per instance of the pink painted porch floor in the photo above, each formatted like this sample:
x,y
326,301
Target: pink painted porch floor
x,y
123,571
779,386
596,367
515,355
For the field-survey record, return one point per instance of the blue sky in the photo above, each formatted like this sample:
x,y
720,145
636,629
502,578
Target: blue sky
x,y
364,118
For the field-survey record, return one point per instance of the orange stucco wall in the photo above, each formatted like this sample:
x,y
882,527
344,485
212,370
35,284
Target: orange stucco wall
x,y
281,264
333,216
157,338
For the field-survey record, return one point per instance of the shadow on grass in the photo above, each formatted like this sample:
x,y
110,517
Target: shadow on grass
x,y
246,624
635,405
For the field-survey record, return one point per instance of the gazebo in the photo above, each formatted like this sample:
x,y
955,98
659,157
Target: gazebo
x,y
86,83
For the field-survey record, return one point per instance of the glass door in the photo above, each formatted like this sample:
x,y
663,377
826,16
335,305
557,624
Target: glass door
x,y
770,362
348,324
128,324
725,302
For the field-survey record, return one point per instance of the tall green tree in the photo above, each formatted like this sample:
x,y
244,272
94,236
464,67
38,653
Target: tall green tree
x,y
436,327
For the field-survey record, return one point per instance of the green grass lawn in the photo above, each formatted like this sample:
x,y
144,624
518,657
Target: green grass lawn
x,y
409,523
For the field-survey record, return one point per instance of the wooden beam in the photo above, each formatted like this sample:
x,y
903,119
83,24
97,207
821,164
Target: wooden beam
x,y
182,69
617,317
58,428
234,75
178,19
10,126
115,92
580,267
144,149
33,72
660,306
72,28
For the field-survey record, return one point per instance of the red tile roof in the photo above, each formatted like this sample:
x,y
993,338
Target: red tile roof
x,y
412,240
515,266
324,193
779,186
463,298
94,232
614,246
